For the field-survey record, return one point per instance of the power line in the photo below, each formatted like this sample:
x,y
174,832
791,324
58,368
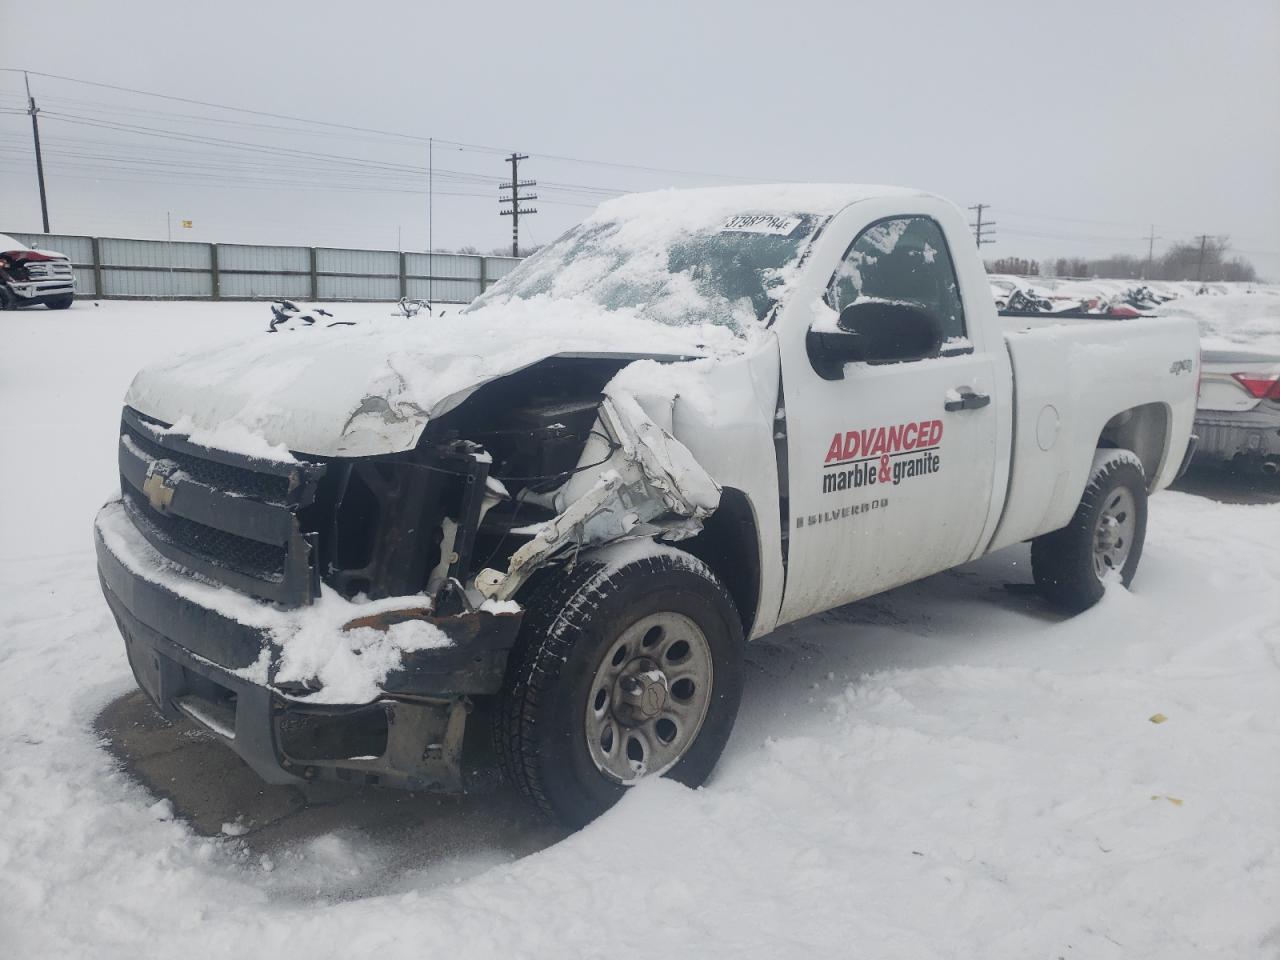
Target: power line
x,y
264,184
319,170
1025,215
257,147
292,153
387,133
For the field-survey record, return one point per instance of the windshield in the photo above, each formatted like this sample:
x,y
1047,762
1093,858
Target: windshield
x,y
729,272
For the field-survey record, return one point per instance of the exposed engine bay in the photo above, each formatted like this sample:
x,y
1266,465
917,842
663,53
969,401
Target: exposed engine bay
x,y
539,463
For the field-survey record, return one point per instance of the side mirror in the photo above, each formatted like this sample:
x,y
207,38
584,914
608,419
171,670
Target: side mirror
x,y
874,331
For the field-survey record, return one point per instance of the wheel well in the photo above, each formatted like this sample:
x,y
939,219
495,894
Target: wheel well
x,y
1144,430
730,545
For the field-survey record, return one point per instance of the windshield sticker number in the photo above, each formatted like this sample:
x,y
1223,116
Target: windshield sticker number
x,y
761,223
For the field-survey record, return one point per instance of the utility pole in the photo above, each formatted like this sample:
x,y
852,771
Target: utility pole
x,y
516,199
982,231
168,232
35,133
431,220
1151,250
1204,240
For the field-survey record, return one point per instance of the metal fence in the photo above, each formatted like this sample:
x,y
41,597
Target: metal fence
x,y
117,268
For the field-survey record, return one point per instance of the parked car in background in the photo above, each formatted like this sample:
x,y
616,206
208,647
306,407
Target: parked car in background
x,y
1001,290
1238,413
1014,293
28,276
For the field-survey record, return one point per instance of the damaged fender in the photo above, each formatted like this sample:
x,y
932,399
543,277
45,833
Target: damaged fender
x,y
650,485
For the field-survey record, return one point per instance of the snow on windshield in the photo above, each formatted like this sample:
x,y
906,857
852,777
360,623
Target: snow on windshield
x,y
670,264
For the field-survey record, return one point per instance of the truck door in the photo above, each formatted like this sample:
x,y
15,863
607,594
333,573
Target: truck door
x,y
890,467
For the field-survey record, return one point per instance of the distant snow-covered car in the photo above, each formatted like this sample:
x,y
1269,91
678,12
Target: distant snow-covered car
x,y
1001,290
30,276
1238,413
1011,293
1027,300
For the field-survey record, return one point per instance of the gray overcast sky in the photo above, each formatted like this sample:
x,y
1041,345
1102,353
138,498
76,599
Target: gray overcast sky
x,y
1080,123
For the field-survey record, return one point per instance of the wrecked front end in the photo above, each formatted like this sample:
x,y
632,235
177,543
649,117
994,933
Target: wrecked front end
x,y
30,277
351,619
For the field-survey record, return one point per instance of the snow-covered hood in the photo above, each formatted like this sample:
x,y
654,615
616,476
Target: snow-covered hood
x,y
370,390
12,245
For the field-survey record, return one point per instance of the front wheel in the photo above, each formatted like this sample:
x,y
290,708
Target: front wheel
x,y
1103,539
59,303
627,666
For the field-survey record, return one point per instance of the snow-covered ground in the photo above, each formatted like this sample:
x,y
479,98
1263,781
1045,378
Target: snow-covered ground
x,y
945,771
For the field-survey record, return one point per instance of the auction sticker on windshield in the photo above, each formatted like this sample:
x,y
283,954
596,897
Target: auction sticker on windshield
x,y
760,223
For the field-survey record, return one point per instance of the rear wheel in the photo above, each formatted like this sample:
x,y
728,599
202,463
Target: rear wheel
x,y
623,670
1103,539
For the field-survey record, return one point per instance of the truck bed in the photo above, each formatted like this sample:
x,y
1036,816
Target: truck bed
x,y
1073,379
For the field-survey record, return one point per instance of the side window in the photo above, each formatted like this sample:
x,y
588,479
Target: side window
x,y
902,258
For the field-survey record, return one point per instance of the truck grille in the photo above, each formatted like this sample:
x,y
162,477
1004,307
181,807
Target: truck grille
x,y
223,516
49,269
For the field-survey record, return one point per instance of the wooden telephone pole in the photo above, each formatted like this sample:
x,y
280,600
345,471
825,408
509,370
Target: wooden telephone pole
x,y
982,231
516,199
32,109
1151,250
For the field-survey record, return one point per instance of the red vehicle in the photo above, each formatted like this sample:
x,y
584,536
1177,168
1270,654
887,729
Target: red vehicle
x,y
34,276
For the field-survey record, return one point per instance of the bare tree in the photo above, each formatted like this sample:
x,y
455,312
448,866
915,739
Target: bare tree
x,y
1014,265
1207,260
1187,260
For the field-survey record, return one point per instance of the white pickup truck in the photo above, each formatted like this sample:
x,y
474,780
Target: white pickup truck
x,y
535,536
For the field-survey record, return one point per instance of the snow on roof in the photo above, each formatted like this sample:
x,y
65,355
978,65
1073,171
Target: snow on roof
x,y
704,204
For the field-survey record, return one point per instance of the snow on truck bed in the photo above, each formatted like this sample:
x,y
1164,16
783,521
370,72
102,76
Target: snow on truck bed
x,y
947,770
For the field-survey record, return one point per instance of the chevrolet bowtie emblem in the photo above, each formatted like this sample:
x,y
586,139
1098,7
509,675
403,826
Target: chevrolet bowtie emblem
x,y
157,490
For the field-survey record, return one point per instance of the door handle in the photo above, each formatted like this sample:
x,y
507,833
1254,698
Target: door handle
x,y
968,400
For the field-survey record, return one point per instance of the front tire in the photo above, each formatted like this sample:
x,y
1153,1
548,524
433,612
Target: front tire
x,y
59,303
628,665
1104,537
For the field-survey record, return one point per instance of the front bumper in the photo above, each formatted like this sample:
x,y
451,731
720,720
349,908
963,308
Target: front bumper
x,y
1249,433
41,291
194,660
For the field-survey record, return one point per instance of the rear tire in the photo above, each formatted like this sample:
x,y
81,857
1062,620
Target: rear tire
x,y
61,303
568,731
1107,533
